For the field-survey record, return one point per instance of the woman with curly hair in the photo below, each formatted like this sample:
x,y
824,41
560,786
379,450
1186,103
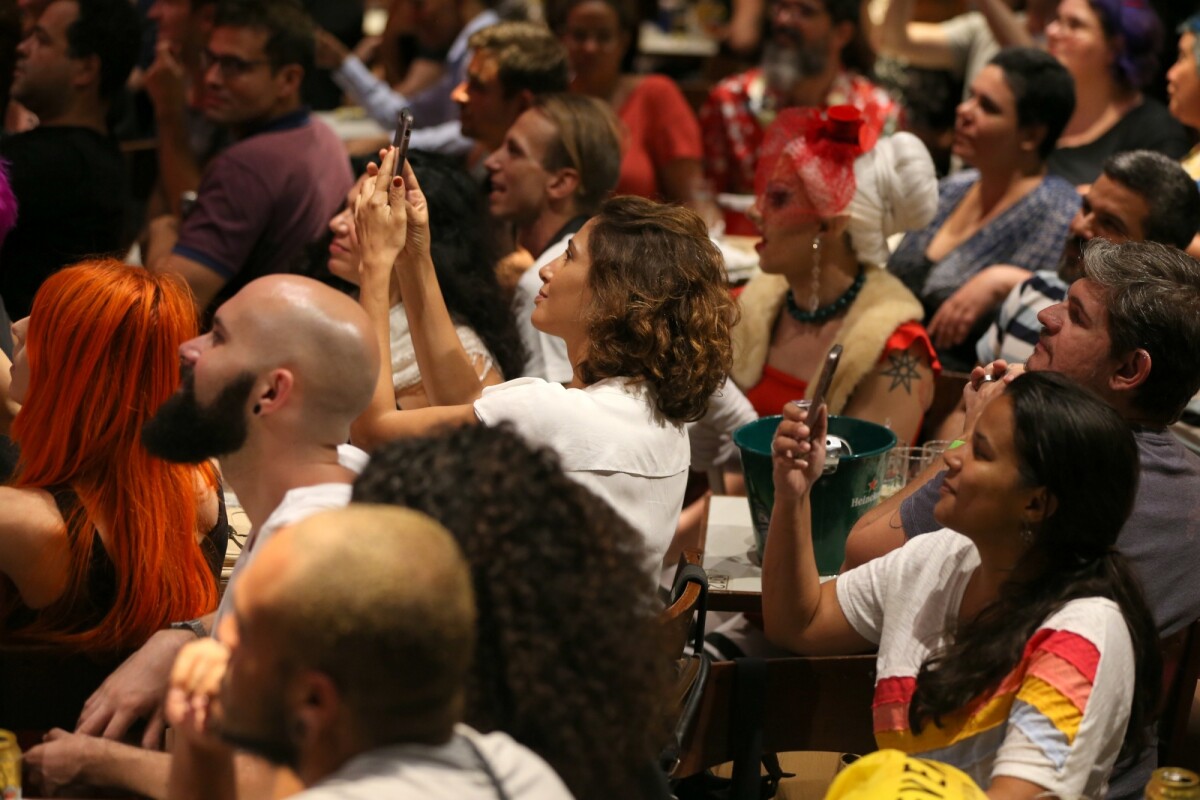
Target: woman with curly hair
x,y
639,298
567,655
1014,644
102,544
465,263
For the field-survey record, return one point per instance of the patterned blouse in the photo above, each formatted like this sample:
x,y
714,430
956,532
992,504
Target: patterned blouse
x,y
1030,234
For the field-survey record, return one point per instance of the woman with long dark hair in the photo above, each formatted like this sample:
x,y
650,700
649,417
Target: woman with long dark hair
x,y
1015,643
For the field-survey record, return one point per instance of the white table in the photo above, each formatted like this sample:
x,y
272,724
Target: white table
x,y
351,123
730,558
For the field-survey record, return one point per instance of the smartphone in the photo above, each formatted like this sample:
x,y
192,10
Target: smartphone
x,y
826,378
404,123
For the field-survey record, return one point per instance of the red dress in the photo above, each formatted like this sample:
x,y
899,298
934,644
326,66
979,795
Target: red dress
x,y
776,388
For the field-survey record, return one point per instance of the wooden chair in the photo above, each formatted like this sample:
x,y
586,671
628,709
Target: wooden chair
x,y
1179,723
677,617
685,614
821,703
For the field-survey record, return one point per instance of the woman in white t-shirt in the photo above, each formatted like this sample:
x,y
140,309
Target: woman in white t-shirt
x,y
640,299
1015,643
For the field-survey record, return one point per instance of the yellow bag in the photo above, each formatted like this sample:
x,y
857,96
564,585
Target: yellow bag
x,y
893,775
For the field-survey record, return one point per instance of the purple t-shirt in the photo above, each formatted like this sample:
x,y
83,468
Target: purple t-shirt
x,y
264,198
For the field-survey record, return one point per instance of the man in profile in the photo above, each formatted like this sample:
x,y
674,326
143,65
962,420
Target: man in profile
x,y
355,680
511,64
558,162
274,190
1140,196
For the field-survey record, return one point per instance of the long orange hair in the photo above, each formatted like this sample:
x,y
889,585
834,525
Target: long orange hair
x,y
103,351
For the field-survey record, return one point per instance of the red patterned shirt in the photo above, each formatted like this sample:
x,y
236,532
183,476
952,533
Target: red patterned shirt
x,y
740,108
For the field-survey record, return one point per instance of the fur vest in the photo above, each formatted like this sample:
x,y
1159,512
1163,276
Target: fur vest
x,y
883,305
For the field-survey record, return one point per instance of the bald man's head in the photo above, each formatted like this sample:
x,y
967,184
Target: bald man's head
x,y
322,336
287,351
379,599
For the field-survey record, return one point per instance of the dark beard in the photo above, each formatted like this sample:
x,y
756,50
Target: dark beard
x,y
185,432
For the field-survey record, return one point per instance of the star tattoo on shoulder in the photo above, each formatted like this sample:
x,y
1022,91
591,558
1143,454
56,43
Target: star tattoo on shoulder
x,y
902,370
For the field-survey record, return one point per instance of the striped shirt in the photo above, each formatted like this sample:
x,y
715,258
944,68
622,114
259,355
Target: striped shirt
x,y
1014,334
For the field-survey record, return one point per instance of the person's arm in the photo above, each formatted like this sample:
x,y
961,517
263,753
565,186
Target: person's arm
x,y
921,44
135,690
203,281
897,394
64,760
419,91
745,26
800,613
8,406
381,222
1006,26
882,529
201,764
178,169
981,293
401,237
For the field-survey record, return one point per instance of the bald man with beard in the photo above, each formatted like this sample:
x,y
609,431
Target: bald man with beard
x,y
271,390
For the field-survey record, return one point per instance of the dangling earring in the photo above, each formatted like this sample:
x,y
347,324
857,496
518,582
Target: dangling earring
x,y
814,301
257,408
1026,532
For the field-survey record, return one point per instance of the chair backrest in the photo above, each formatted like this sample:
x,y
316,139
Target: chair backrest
x,y
821,703
1177,745
677,617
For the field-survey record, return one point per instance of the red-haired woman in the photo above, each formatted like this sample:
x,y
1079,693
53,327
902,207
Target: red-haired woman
x,y
101,544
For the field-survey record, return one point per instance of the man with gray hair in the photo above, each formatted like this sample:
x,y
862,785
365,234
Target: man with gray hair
x,y
1141,196
330,666
1127,331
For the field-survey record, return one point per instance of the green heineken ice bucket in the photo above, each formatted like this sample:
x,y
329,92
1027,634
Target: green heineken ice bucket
x,y
838,498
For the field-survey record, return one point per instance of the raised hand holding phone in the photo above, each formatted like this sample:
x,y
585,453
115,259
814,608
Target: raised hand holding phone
x,y
826,377
401,139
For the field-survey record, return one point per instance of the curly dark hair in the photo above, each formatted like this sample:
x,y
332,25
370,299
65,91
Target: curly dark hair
x,y
569,659
661,311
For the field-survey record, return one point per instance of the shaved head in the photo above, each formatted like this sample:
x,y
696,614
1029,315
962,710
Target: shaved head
x,y
322,336
387,585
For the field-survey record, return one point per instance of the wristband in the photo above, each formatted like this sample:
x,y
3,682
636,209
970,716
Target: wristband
x,y
193,625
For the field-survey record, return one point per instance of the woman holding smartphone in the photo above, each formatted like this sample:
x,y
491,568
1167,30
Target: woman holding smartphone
x,y
1015,643
639,298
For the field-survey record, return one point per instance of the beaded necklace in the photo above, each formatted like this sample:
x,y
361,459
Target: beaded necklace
x,y
825,312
